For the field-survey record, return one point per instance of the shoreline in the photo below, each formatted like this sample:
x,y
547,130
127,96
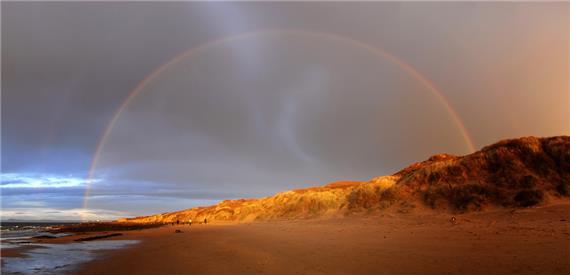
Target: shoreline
x,y
523,241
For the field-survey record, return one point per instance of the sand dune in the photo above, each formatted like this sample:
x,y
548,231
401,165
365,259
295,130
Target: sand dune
x,y
512,173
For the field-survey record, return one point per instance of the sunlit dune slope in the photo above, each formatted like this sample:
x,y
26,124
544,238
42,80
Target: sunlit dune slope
x,y
511,173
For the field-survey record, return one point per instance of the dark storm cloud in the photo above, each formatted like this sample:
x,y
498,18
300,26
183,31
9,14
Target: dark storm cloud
x,y
269,113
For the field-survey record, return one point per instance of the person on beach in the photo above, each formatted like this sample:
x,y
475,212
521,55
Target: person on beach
x,y
177,222
205,221
190,222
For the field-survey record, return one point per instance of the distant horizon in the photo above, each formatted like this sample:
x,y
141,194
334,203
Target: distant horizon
x,y
39,221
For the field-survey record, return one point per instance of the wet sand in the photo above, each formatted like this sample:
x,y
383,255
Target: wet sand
x,y
527,241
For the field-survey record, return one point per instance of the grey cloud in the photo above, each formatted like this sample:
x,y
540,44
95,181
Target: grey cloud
x,y
268,113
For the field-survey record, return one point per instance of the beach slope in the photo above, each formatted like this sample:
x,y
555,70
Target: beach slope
x,y
525,241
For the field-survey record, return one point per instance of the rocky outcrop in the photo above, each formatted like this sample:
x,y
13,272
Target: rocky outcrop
x,y
511,173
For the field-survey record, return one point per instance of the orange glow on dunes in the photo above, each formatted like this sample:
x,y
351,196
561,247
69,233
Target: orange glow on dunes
x,y
378,52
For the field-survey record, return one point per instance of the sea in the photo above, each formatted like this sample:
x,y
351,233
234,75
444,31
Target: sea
x,y
14,234
45,258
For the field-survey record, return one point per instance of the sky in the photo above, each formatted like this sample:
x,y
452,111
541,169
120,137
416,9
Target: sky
x,y
123,109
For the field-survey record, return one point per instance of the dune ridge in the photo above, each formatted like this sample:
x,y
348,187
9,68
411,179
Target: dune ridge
x,y
511,173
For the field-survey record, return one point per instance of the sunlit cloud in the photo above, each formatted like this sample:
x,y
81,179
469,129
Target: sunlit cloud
x,y
73,214
17,180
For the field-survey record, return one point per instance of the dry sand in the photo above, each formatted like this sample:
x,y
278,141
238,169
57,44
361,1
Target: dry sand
x,y
527,241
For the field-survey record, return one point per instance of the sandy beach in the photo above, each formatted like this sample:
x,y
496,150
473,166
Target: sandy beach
x,y
522,241
525,241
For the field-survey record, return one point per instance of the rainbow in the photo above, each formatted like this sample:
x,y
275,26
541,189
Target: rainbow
x,y
429,85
